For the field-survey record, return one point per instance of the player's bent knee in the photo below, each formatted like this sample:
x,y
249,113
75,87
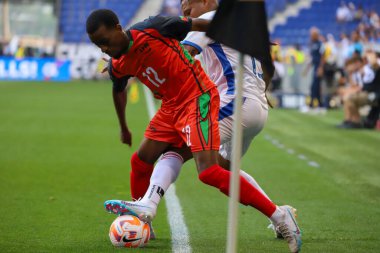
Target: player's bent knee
x,y
184,153
139,166
205,159
224,163
150,150
173,155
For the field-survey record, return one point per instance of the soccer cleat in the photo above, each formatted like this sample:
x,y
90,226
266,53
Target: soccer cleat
x,y
136,208
289,229
152,234
277,233
117,207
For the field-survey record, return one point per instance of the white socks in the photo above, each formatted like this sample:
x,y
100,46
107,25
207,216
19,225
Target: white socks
x,y
277,216
253,182
164,174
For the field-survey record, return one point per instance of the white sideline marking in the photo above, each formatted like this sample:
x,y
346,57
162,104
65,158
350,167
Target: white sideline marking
x,y
302,157
179,231
314,164
178,228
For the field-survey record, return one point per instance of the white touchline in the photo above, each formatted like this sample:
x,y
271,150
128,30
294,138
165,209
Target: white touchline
x,y
178,228
279,145
179,231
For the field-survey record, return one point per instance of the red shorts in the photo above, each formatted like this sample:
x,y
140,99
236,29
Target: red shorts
x,y
194,124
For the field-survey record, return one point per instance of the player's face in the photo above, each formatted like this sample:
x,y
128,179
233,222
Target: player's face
x,y
194,8
110,40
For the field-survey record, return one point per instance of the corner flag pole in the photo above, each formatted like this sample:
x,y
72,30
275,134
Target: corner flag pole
x,y
232,227
241,25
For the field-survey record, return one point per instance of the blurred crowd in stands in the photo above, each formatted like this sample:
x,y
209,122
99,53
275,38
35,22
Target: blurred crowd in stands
x,y
368,20
334,72
344,73
171,8
19,49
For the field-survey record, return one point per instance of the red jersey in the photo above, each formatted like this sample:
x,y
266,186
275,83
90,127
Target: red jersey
x,y
156,57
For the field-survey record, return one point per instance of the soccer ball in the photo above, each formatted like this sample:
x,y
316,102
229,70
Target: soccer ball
x,y
129,231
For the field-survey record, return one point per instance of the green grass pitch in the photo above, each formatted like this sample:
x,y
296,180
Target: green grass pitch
x,y
60,158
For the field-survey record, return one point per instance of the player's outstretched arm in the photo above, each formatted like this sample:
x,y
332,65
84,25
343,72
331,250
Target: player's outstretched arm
x,y
119,94
120,102
200,25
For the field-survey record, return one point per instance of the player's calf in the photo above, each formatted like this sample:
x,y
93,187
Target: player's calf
x,y
139,176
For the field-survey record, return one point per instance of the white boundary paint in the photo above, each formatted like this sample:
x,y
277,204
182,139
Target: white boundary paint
x,y
178,228
179,231
291,151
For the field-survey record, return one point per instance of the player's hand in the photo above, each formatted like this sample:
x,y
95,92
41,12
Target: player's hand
x,y
126,137
106,68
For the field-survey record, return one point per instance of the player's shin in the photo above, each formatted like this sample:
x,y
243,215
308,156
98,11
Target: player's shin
x,y
139,176
164,174
253,182
218,177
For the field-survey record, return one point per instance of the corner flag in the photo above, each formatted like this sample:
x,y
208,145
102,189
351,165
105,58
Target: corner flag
x,y
242,25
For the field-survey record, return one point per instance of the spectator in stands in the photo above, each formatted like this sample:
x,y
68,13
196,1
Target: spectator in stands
x,y
330,55
353,78
367,94
343,13
171,8
295,58
344,40
356,46
364,88
1,49
377,36
374,20
359,13
20,52
317,62
279,67
12,46
343,52
352,8
362,30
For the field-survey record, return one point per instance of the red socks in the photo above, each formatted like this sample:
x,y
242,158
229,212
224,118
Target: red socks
x,y
139,176
218,177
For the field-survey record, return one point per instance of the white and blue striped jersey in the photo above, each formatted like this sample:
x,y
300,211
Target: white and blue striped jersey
x,y
221,63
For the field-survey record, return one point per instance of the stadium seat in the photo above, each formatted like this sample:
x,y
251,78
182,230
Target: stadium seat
x,y
74,12
312,17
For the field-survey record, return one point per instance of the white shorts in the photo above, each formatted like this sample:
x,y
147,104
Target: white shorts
x,y
254,116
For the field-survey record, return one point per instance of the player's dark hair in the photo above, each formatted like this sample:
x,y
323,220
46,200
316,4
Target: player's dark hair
x,y
101,17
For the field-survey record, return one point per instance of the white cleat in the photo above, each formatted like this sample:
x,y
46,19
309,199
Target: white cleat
x,y
289,229
145,212
277,233
152,234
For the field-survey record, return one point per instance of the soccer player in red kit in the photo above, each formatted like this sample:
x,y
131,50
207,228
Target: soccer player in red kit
x,y
151,51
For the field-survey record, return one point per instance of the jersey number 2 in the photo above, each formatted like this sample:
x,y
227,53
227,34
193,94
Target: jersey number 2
x,y
152,76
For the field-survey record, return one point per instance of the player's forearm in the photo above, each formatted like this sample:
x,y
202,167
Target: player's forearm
x,y
200,25
120,102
